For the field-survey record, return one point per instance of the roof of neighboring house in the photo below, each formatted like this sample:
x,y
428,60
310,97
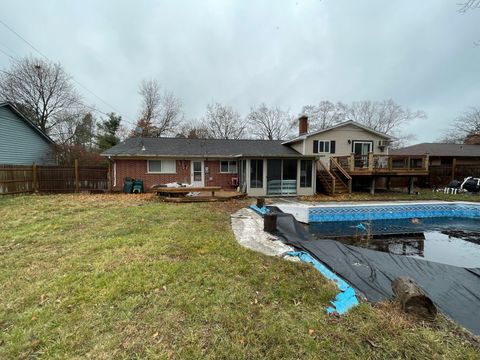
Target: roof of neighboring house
x,y
439,149
219,148
345,123
28,121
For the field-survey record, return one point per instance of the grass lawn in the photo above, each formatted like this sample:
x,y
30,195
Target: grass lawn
x,y
115,276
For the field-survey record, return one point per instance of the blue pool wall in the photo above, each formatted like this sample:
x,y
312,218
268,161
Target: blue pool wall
x,y
385,212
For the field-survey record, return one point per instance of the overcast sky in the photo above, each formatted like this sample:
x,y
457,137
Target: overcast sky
x,y
242,53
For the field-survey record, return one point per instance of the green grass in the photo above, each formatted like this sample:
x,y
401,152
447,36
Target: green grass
x,y
124,277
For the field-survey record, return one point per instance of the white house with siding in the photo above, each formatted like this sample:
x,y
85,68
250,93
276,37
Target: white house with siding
x,y
21,141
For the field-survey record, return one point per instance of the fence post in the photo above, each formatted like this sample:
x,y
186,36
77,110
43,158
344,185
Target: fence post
x,y
77,180
34,177
109,177
454,164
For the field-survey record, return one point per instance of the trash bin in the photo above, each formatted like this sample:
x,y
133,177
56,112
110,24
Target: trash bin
x,y
128,185
138,186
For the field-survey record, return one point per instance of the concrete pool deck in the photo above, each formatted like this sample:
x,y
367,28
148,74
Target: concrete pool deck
x,y
247,226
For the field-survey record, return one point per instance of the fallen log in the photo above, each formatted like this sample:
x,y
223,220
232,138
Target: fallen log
x,y
413,299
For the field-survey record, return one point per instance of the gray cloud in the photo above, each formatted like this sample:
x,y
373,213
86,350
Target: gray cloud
x,y
284,53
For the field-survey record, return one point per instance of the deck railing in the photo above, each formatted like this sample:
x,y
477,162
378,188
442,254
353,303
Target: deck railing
x,y
383,163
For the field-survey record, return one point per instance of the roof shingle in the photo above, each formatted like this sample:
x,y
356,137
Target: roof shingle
x,y
181,147
440,149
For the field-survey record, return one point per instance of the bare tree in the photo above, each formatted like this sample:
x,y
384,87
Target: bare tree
x,y
468,123
468,5
324,114
223,122
384,116
193,130
42,90
160,112
269,123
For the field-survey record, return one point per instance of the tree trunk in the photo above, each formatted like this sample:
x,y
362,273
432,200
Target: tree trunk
x,y
413,299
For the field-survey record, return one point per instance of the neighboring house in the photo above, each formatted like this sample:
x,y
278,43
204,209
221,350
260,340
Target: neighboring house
x,y
256,167
21,141
446,161
444,154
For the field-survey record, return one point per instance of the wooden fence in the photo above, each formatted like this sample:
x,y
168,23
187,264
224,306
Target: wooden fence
x,y
441,175
19,179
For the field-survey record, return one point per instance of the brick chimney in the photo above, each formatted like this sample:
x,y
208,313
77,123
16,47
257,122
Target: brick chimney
x,y
472,139
302,125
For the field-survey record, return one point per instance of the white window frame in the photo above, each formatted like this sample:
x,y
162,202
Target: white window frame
x,y
162,172
324,142
228,166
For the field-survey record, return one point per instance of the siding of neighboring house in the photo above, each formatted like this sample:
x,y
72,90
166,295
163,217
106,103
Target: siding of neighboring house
x,y
19,143
137,169
341,136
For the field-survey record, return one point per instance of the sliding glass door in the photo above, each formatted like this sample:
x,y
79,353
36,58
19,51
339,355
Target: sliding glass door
x,y
281,177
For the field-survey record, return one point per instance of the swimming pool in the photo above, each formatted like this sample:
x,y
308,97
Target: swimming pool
x,y
445,232
447,240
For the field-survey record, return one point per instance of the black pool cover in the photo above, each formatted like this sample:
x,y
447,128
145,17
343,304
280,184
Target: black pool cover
x,y
454,290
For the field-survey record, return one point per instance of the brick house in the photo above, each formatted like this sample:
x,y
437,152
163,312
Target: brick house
x,y
256,167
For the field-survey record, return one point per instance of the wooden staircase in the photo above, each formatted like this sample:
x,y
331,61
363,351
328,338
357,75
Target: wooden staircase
x,y
334,181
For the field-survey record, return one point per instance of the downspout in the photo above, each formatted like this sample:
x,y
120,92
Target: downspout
x,y
114,173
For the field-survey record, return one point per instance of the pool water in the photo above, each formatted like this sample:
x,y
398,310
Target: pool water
x,y
453,241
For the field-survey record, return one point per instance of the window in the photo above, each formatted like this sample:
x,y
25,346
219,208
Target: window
x,y
323,146
228,167
161,167
306,173
256,174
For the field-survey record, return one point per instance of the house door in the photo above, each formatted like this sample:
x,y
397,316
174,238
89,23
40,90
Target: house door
x,y
198,175
361,150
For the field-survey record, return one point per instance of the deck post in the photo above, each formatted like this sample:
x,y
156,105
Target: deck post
x,y
372,186
352,162
388,182
350,186
410,185
370,161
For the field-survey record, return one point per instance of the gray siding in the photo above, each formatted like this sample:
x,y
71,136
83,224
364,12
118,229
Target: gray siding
x,y
19,143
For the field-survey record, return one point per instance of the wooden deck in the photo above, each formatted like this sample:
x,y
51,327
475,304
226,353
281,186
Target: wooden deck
x,y
202,194
383,165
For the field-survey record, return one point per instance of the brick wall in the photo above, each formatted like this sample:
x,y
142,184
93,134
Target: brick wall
x,y
218,179
137,169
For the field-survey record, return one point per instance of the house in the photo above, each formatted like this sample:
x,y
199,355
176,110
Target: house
x,y
351,155
21,141
443,153
446,161
256,167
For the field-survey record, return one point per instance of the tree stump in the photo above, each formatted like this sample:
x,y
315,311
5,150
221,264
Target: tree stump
x,y
413,299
